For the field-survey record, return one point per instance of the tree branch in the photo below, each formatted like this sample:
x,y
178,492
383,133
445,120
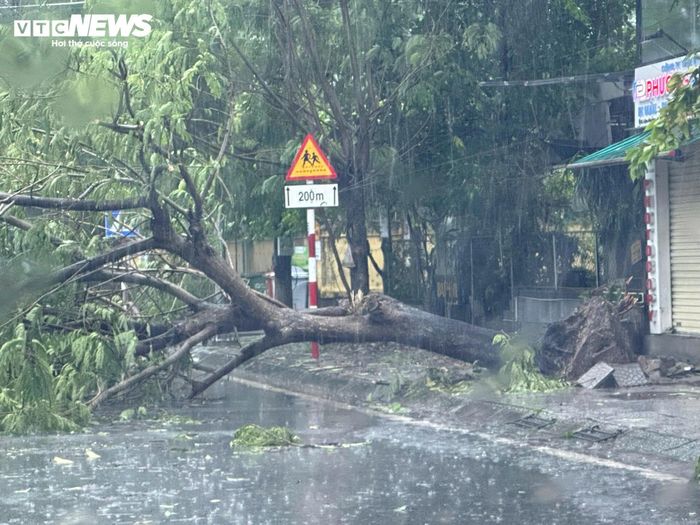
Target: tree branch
x,y
247,353
266,87
16,222
121,127
68,204
374,263
96,262
204,258
294,64
336,255
226,317
352,49
176,291
192,190
149,372
312,49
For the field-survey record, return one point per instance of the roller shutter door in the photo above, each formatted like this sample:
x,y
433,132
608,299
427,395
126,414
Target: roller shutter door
x,y
684,196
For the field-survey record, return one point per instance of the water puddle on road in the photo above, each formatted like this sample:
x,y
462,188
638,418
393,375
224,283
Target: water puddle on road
x,y
182,470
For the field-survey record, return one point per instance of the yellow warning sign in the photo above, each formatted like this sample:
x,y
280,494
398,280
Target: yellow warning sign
x,y
310,163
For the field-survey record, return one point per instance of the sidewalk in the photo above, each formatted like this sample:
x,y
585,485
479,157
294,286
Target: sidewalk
x,y
653,428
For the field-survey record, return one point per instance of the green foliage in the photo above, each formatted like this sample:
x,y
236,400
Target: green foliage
x,y
520,373
32,398
131,414
438,147
440,380
395,408
482,39
255,436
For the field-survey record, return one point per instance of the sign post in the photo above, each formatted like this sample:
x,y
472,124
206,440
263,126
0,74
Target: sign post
x,y
310,163
312,283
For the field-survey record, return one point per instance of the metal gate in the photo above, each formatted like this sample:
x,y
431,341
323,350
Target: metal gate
x,y
684,196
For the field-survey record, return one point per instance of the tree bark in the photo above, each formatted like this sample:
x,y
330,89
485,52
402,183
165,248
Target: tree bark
x,y
377,318
388,254
51,203
381,318
357,236
282,266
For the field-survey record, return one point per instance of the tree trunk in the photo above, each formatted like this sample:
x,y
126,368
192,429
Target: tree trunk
x,y
374,318
357,235
282,266
377,318
381,318
388,253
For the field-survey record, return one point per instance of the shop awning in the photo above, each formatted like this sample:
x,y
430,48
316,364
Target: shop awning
x,y
613,154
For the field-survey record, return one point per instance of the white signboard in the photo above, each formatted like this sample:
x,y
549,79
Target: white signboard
x,y
650,89
311,196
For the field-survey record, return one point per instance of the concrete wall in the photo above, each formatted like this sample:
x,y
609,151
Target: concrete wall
x,y
534,314
255,257
251,257
540,310
329,283
682,347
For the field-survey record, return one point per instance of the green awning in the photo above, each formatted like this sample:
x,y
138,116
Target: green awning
x,y
613,154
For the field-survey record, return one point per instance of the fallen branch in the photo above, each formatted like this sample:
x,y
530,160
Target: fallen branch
x,y
221,316
247,353
16,222
147,280
96,262
146,373
52,203
25,226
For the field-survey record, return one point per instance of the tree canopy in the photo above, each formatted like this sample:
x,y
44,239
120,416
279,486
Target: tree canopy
x,y
188,133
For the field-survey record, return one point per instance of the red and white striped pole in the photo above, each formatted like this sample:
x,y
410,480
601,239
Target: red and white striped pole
x,y
313,287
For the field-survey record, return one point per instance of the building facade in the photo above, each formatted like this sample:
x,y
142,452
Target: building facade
x,y
668,36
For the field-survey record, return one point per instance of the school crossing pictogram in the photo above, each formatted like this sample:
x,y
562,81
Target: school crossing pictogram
x,y
310,163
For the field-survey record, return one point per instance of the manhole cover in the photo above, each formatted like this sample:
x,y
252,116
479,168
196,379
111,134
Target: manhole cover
x,y
595,434
533,421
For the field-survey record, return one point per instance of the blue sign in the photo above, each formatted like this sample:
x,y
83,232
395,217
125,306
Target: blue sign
x,y
116,225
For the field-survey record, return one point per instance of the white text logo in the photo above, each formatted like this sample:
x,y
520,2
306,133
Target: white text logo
x,y
94,26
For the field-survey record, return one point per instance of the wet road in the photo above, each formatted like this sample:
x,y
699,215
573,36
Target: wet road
x,y
175,470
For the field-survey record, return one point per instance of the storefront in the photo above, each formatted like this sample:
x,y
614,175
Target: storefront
x,y
672,219
672,189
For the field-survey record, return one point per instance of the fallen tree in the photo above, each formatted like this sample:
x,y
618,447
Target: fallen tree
x,y
95,306
370,318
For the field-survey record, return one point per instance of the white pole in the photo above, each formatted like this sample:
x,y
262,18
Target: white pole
x,y
313,287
